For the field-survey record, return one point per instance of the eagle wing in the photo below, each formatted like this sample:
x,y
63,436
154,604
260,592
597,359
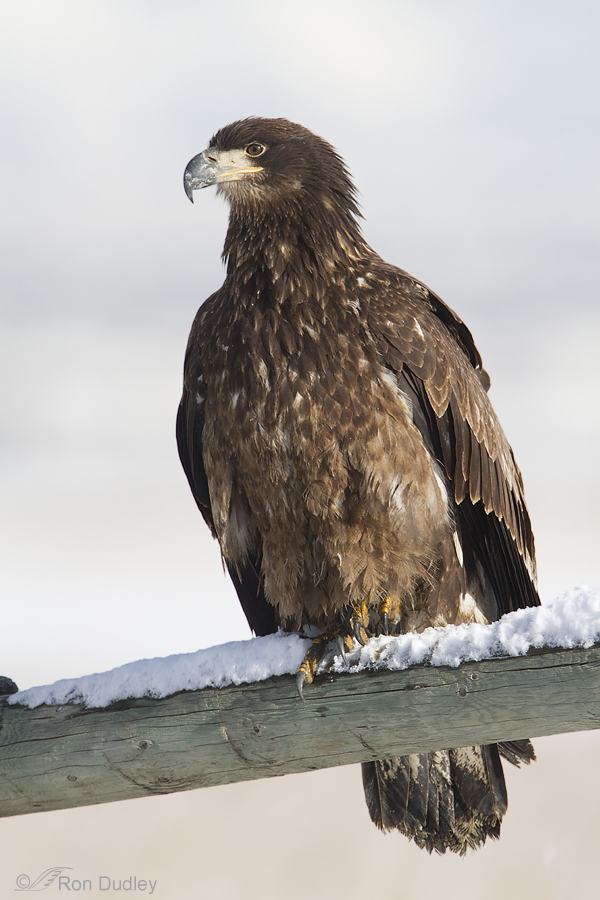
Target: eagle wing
x,y
189,430
438,369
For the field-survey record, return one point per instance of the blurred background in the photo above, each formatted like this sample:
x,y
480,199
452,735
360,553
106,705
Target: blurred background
x,y
471,129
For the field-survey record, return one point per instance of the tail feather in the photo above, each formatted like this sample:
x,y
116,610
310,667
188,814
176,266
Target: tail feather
x,y
386,791
478,777
517,752
417,772
440,809
446,800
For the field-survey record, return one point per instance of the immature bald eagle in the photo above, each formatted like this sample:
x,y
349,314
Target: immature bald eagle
x,y
337,436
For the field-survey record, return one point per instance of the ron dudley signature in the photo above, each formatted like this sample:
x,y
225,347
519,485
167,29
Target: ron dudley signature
x,y
68,883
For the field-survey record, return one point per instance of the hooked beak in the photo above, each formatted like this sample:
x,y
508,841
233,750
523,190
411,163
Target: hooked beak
x,y
214,166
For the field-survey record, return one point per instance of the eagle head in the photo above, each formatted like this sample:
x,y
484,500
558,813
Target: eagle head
x,y
259,162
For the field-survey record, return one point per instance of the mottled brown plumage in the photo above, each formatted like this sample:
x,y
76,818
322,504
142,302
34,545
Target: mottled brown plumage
x,y
338,438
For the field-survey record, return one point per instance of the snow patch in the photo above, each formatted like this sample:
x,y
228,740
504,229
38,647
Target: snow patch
x,y
237,662
572,620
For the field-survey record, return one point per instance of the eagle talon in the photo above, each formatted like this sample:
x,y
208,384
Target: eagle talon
x,y
358,620
384,609
306,671
300,679
312,658
340,645
356,630
316,652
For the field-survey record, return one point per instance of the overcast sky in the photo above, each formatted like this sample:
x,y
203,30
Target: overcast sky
x,y
471,129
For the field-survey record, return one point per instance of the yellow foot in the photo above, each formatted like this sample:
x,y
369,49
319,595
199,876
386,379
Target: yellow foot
x,y
354,624
316,651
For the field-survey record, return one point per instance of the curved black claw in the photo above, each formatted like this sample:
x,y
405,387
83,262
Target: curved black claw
x,y
385,604
356,629
385,623
340,645
300,679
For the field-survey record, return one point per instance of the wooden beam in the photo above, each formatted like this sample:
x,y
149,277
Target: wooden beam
x,y
57,757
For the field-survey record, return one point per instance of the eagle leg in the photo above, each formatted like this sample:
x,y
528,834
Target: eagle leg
x,y
316,651
354,624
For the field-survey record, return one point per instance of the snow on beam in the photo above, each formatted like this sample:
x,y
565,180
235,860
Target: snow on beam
x,y
58,756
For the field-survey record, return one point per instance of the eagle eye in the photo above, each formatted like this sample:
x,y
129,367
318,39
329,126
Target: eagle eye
x,y
255,149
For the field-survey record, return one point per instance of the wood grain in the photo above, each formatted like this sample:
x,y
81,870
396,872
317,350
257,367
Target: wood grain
x,y
66,756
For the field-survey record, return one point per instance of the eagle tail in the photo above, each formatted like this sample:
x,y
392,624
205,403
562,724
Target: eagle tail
x,y
447,800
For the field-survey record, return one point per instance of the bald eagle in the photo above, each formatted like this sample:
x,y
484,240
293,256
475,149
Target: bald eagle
x,y
337,436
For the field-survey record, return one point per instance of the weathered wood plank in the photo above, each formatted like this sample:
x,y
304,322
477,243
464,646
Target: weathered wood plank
x,y
58,757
